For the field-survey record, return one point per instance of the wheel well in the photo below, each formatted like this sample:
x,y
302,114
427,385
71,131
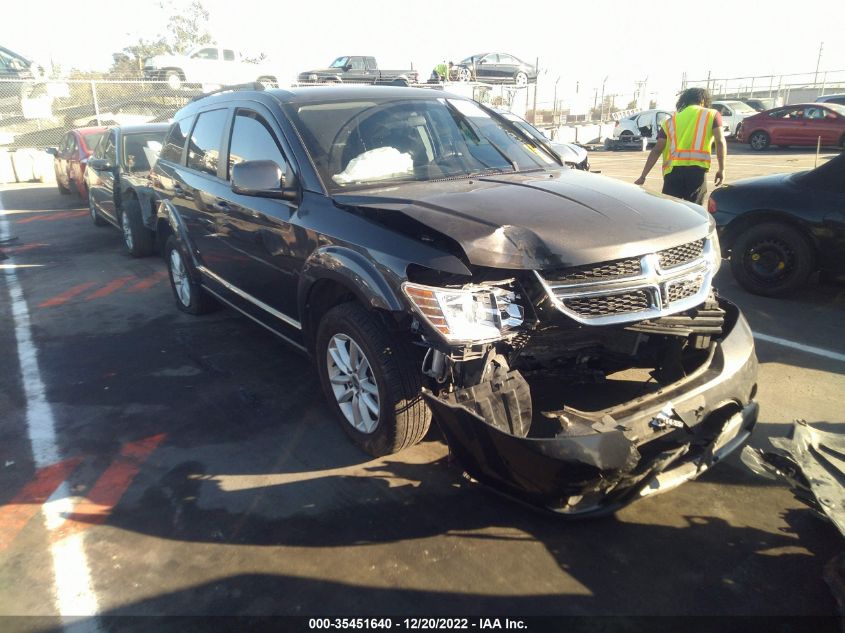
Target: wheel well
x,y
322,297
269,78
164,72
163,231
746,221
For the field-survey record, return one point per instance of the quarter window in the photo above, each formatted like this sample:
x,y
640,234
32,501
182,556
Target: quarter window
x,y
204,148
252,139
175,141
228,56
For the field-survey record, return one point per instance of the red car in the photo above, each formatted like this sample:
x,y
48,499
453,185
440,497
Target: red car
x,y
71,158
798,124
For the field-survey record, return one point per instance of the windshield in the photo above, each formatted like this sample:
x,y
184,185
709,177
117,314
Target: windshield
x,y
839,109
379,141
91,139
140,151
742,108
340,62
827,177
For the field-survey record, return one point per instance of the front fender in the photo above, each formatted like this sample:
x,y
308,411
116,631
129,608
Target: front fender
x,y
352,270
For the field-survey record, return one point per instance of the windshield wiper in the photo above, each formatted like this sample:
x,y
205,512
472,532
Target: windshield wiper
x,y
476,130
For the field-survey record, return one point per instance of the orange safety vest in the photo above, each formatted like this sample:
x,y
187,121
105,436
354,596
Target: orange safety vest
x,y
689,136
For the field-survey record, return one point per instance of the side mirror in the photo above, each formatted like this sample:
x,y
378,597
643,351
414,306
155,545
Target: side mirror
x,y
99,164
263,179
53,151
347,68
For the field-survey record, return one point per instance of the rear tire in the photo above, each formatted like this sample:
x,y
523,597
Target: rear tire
x,y
65,191
137,238
759,141
93,213
189,295
388,364
771,259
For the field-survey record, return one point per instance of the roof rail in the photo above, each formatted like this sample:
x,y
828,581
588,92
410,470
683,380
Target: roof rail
x,y
250,85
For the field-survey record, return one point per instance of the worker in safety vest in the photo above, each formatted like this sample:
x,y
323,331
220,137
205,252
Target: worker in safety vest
x,y
685,140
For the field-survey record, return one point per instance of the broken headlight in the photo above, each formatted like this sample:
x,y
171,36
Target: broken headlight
x,y
470,314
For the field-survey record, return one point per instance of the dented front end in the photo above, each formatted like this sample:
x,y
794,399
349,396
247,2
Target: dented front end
x,y
582,389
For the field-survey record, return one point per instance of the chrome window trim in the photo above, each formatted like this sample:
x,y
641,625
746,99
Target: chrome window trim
x,y
248,297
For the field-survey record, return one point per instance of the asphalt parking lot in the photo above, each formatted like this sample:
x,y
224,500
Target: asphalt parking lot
x,y
157,463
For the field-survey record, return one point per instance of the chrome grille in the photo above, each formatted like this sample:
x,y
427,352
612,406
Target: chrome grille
x,y
606,305
636,288
679,255
596,272
682,289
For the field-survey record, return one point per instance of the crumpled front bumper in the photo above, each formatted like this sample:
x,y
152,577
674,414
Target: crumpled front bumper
x,y
641,447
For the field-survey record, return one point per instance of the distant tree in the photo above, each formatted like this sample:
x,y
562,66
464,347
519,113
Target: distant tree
x,y
255,59
186,28
632,105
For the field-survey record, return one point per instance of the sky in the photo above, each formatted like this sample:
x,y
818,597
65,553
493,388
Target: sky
x,y
580,46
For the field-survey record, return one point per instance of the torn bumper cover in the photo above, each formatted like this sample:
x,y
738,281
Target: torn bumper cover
x,y
812,462
644,446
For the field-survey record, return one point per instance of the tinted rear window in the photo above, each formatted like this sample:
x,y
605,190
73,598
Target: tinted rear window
x,y
175,141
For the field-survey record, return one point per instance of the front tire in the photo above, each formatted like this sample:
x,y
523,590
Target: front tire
x,y
189,295
372,381
137,238
521,79
464,74
771,259
759,141
173,79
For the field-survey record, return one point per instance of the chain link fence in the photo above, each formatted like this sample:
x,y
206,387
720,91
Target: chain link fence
x,y
37,114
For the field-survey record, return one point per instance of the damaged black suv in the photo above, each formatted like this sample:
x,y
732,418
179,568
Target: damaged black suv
x,y
435,261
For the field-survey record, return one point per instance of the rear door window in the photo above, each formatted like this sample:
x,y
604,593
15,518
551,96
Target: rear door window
x,y
228,56
204,147
175,141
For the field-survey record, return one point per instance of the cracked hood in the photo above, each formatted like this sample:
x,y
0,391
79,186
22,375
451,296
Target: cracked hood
x,y
539,220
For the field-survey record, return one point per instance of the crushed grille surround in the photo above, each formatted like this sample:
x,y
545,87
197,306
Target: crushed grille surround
x,y
633,289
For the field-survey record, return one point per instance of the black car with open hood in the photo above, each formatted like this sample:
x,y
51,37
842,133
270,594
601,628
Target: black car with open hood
x,y
437,262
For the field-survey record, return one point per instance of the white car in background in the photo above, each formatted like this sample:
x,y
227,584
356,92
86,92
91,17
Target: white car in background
x,y
733,113
641,125
573,155
208,65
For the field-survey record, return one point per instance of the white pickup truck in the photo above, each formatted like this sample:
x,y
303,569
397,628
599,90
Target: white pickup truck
x,y
207,65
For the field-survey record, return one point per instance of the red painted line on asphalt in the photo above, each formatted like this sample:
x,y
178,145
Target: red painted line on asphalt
x,y
66,296
63,215
14,250
111,486
109,288
27,503
148,282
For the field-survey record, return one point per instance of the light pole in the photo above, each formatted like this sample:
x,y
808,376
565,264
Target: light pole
x,y
818,61
601,112
554,103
